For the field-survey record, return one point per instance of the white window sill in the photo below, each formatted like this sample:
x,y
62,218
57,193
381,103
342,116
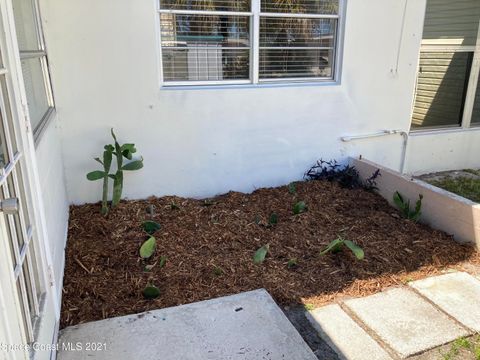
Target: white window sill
x,y
446,130
263,85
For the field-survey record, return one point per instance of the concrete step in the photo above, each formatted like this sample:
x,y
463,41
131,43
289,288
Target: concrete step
x,y
247,326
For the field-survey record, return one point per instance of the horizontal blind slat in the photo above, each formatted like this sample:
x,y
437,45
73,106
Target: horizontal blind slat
x,y
210,5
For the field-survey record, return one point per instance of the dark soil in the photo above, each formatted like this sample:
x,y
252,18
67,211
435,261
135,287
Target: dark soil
x,y
209,245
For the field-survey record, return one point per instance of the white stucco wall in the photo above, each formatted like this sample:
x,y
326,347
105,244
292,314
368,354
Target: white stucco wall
x,y
53,192
200,142
444,150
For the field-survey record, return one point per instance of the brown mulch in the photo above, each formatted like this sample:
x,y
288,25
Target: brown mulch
x,y
104,276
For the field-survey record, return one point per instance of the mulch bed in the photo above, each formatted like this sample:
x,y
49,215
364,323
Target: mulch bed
x,y
104,276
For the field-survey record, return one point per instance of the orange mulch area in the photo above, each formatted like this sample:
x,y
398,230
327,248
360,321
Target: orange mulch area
x,y
209,245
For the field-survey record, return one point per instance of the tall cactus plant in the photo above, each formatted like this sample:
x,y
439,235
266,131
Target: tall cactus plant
x,y
120,152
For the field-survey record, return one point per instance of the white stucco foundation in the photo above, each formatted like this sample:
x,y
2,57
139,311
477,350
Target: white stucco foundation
x,y
434,151
53,192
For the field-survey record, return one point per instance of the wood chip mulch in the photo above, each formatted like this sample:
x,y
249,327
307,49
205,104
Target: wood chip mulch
x,y
209,245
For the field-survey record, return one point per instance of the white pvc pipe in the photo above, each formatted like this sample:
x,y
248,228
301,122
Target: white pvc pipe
x,y
403,133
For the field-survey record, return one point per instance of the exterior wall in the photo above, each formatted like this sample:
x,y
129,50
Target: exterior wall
x,y
200,142
52,182
443,150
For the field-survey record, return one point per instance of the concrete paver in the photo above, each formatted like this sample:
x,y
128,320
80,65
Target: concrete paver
x,y
405,321
344,335
458,294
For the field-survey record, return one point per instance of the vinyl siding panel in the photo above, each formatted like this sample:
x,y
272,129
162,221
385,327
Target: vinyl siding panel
x,y
440,89
455,21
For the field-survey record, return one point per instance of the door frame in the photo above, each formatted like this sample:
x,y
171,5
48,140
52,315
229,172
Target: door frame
x,y
25,142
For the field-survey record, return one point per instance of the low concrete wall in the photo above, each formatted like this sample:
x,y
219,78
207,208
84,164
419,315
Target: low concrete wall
x,y
440,209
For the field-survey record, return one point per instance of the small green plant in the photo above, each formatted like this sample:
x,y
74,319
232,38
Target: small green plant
x,y
299,207
174,206
273,219
260,254
151,291
292,263
462,344
150,227
120,152
336,246
292,188
163,261
148,248
309,307
217,271
405,209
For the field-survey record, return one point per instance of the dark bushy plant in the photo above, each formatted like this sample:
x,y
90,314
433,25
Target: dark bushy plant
x,y
347,176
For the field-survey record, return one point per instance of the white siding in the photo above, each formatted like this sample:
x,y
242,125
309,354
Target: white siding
x,y
448,21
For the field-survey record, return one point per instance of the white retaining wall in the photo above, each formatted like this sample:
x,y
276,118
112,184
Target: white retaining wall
x,y
440,209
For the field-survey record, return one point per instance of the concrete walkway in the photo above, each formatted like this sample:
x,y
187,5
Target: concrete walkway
x,y
402,322
413,321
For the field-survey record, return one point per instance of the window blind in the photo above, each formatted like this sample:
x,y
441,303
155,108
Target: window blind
x,y
219,41
296,47
198,47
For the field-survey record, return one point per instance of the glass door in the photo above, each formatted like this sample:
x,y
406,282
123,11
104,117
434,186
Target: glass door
x,y
26,294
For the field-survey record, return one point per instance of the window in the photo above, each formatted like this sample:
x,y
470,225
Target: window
x,y
34,63
448,93
248,41
476,106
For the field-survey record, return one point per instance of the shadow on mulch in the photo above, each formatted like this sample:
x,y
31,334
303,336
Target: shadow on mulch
x,y
209,247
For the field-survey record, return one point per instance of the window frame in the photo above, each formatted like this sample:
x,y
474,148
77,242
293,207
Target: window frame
x,y
442,45
254,81
42,55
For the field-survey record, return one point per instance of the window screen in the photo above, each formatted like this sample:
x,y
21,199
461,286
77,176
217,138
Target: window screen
x,y
441,88
34,62
449,44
